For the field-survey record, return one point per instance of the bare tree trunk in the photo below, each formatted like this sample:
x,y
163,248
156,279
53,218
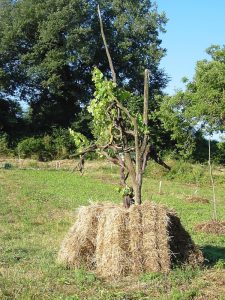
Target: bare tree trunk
x,y
138,169
137,192
214,215
141,151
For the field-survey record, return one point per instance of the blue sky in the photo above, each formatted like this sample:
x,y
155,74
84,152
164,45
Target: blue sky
x,y
192,27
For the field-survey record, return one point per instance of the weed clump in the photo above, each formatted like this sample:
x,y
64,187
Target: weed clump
x,y
116,242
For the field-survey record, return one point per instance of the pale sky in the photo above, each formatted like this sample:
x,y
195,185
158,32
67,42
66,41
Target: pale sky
x,y
193,26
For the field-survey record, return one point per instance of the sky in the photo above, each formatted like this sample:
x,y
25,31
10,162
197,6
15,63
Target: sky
x,y
193,26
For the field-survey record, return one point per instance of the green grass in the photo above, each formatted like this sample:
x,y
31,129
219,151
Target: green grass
x,y
37,207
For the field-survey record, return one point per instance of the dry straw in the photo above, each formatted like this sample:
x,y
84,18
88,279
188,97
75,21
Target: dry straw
x,y
116,242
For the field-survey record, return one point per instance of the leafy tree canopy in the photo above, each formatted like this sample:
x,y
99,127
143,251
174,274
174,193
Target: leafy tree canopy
x,y
201,106
10,116
48,49
203,101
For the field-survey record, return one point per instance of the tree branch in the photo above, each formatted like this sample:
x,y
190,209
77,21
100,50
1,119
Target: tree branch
x,y
106,46
124,109
129,132
92,148
153,154
115,161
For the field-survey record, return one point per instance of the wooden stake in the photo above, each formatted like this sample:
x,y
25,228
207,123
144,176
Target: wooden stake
x,y
160,187
213,184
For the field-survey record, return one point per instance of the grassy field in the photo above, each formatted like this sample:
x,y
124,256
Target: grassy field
x,y
37,207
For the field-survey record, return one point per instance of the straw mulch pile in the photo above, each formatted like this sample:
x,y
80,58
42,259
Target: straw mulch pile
x,y
197,199
114,242
214,227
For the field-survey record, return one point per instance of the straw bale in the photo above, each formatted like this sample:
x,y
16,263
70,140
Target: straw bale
x,y
112,243
79,244
156,238
116,242
136,239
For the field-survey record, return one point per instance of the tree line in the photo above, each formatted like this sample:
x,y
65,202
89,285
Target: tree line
x,y
47,53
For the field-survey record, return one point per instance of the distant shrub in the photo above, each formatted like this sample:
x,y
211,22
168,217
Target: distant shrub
x,y
188,173
201,152
219,156
4,149
58,145
30,148
47,148
63,143
7,166
181,171
154,170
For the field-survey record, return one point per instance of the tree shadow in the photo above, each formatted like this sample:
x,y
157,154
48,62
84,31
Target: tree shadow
x,y
213,254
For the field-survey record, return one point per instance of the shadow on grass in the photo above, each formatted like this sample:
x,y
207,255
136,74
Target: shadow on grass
x,y
213,254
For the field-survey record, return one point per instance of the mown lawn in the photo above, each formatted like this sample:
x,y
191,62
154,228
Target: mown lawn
x,y
37,207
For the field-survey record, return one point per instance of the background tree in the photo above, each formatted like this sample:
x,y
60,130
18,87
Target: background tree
x,y
201,106
48,48
11,118
202,103
181,134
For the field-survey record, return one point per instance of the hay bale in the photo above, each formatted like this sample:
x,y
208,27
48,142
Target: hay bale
x,y
148,238
136,240
79,244
112,243
116,242
157,219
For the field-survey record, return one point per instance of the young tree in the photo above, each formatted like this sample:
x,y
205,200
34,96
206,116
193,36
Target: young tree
x,y
121,136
